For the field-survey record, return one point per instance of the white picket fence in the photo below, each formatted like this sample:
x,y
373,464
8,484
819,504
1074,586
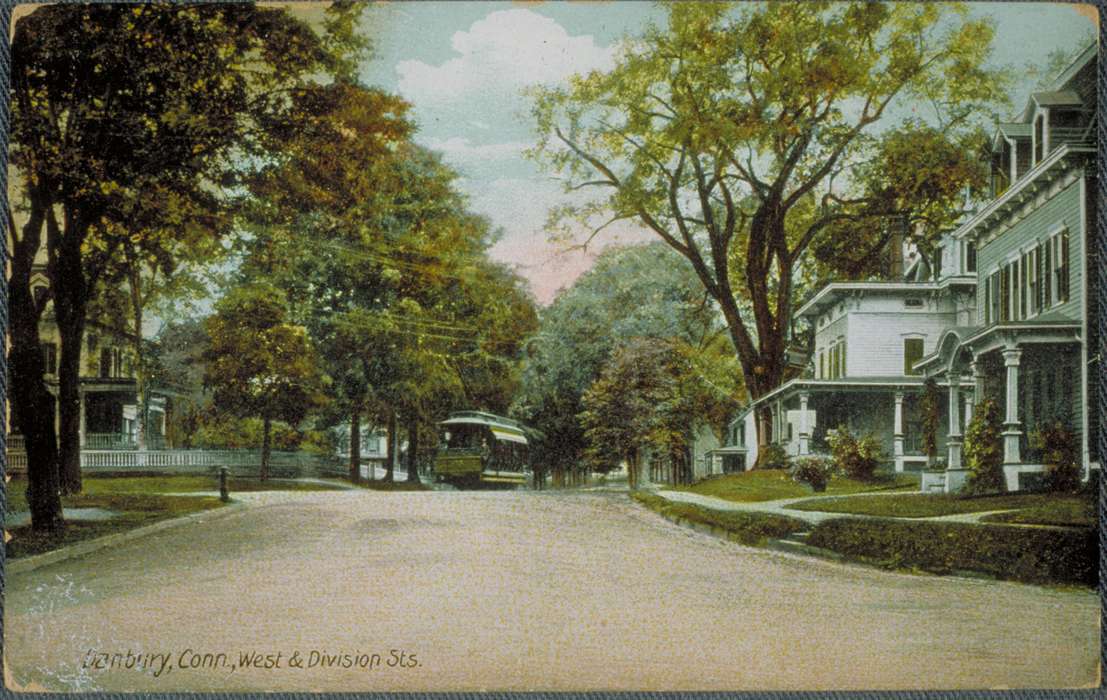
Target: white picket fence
x,y
243,462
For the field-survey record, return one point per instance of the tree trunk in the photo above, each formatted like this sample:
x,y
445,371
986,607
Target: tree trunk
x,y
632,469
413,450
68,284
355,444
32,403
134,281
69,405
266,428
393,446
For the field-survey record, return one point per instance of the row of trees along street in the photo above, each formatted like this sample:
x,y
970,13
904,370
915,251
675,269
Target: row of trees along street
x,y
155,147
767,148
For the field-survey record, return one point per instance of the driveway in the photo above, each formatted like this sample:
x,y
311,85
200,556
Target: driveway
x,y
515,590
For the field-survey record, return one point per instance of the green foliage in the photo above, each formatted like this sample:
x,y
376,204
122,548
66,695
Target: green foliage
x,y
259,364
744,134
983,454
813,471
854,457
1014,553
643,292
748,528
1061,456
773,456
931,406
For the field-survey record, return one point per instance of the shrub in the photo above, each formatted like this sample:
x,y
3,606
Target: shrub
x,y
984,450
857,459
744,527
1021,554
1060,456
931,413
813,471
773,457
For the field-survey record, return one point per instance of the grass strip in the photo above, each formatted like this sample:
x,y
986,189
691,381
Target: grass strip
x,y
747,528
1061,512
772,484
135,510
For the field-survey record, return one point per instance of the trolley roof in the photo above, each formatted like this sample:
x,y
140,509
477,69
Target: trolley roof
x,y
502,428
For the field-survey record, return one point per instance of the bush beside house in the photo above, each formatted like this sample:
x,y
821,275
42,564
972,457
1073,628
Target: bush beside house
x,y
813,471
856,458
984,450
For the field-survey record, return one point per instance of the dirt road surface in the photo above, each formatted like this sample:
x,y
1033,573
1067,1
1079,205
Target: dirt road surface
x,y
515,590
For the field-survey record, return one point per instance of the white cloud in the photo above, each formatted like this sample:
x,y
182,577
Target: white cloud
x,y
499,55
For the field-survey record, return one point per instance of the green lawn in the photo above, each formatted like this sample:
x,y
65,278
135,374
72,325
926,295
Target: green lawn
x,y
135,510
117,485
1067,511
139,500
1076,509
772,484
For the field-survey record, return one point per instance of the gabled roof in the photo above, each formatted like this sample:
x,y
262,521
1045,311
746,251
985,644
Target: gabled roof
x,y
1059,98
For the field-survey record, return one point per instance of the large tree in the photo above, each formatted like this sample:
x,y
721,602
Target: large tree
x,y
110,104
259,364
743,134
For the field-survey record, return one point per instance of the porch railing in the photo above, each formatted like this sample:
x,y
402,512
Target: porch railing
x,y
121,441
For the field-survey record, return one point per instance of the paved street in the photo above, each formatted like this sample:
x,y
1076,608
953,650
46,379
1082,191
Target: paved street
x,y
516,590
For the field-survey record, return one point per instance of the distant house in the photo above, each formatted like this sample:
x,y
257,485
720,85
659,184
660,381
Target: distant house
x,y
1006,315
109,409
374,446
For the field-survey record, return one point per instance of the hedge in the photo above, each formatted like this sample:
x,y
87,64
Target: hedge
x,y
1030,555
745,527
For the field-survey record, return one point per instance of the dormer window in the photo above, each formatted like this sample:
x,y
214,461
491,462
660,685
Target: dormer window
x,y
1003,165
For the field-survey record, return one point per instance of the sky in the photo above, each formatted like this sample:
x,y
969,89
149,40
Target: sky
x,y
464,66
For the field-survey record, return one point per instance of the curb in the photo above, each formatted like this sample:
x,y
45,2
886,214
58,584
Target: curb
x,y
80,549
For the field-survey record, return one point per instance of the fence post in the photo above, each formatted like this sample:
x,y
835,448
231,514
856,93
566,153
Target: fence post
x,y
223,495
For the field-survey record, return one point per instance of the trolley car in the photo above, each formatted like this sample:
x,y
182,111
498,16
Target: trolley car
x,y
482,449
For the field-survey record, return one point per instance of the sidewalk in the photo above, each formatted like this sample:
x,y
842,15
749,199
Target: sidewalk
x,y
812,517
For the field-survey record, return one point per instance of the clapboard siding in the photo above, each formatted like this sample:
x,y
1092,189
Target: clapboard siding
x,y
876,339
1062,208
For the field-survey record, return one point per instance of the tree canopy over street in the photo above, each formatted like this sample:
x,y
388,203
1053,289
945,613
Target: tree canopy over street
x,y
745,136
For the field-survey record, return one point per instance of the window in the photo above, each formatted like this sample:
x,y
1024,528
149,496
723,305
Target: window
x,y
1030,265
822,364
991,307
1039,138
970,256
938,263
1005,294
912,353
1060,273
105,362
1044,273
50,357
39,293
842,358
913,303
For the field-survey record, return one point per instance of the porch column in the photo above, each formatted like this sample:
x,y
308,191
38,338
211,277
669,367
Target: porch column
x,y
804,436
1012,433
897,432
977,380
954,441
81,425
780,421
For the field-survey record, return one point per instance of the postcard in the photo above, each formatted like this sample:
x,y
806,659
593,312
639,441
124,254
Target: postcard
x,y
462,346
